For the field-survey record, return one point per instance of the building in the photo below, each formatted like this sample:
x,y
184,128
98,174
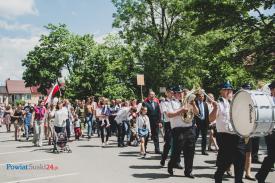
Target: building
x,y
4,97
18,91
35,95
15,91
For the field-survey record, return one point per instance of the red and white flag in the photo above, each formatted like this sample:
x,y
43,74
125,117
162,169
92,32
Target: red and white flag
x,y
54,90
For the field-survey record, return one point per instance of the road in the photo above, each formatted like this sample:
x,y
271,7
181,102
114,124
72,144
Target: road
x,y
89,162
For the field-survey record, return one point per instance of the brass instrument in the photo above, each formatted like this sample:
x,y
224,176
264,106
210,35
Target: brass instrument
x,y
186,100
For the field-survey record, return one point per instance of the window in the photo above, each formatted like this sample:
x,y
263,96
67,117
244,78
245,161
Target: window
x,y
17,97
28,97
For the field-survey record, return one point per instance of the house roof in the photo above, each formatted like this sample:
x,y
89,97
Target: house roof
x,y
3,90
17,87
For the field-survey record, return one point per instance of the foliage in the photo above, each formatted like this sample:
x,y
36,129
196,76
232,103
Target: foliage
x,y
170,41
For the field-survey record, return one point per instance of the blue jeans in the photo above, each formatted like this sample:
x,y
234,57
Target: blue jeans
x,y
89,119
127,129
27,129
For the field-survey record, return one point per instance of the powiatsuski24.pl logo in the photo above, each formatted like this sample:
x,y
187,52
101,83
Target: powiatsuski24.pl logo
x,y
10,166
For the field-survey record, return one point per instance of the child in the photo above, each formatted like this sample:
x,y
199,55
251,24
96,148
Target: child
x,y
133,126
143,130
77,127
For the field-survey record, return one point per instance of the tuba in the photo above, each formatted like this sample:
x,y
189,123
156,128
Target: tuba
x,y
185,102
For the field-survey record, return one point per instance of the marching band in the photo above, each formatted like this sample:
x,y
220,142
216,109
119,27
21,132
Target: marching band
x,y
235,121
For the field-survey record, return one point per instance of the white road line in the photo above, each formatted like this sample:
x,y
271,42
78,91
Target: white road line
x,y
21,162
11,145
14,152
43,178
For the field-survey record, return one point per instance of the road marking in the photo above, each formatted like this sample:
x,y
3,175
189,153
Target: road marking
x,y
14,152
43,178
21,162
11,145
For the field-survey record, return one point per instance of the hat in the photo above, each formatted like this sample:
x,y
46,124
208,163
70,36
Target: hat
x,y
227,85
177,89
272,85
170,88
247,86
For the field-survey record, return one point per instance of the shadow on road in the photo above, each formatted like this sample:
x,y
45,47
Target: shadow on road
x,y
203,167
145,167
210,161
151,176
88,146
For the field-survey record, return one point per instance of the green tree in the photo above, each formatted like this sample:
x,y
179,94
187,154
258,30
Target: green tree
x,y
46,61
153,28
247,34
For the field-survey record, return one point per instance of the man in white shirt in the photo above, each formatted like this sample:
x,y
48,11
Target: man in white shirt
x,y
231,146
269,160
182,132
164,105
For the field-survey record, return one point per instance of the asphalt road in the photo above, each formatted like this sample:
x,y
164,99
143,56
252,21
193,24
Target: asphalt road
x,y
89,162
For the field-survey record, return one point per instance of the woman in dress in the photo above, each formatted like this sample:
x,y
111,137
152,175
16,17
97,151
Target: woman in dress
x,y
143,130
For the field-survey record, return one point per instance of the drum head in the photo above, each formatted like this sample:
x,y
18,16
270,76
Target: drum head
x,y
240,113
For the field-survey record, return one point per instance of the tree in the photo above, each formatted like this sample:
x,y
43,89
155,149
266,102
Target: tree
x,y
152,28
247,39
46,61
108,69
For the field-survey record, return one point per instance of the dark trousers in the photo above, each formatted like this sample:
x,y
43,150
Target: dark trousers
x,y
120,134
231,150
108,131
202,129
155,134
68,128
113,124
269,160
183,140
255,148
167,140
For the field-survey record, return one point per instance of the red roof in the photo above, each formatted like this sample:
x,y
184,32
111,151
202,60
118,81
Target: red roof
x,y
17,87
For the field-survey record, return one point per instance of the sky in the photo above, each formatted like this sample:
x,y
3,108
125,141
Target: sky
x,y
22,21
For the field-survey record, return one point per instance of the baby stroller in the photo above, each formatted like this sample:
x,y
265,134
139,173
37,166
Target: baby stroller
x,y
60,142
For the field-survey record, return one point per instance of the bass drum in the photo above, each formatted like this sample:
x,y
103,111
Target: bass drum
x,y
252,113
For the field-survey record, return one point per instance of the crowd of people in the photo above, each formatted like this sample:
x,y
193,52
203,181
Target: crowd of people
x,y
178,119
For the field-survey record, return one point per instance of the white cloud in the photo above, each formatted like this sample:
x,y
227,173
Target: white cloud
x,y
13,27
14,8
13,50
101,38
16,27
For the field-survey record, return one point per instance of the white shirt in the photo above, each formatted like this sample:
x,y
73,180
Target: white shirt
x,y
122,115
176,121
164,109
77,123
223,123
141,121
60,117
